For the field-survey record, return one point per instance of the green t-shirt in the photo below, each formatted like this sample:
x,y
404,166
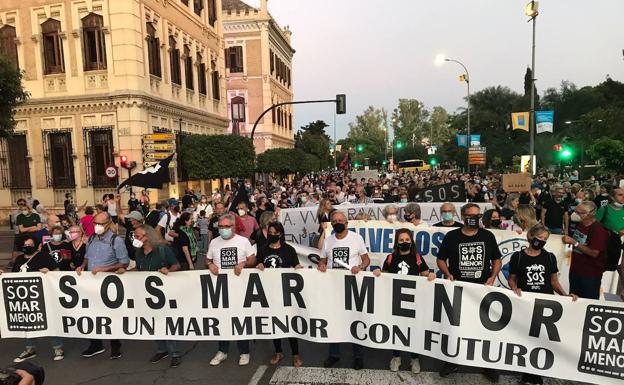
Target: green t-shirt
x,y
613,219
159,257
28,220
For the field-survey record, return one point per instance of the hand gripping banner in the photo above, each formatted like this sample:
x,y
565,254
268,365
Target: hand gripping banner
x,y
463,323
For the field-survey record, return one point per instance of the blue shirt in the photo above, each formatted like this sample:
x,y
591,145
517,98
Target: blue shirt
x,y
100,253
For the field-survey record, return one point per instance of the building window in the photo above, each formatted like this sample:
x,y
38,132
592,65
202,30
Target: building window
x,y
216,87
201,75
153,51
273,116
52,47
188,67
212,12
234,59
14,168
59,163
198,7
288,76
94,45
289,121
174,61
8,48
279,116
98,143
238,108
272,60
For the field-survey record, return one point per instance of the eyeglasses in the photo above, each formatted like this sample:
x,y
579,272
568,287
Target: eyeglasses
x,y
100,223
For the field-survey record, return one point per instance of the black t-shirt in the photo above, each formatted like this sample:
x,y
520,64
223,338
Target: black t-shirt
x,y
187,200
213,226
507,213
133,204
469,258
284,257
601,200
178,243
58,252
533,273
554,214
75,259
455,224
153,218
129,237
409,264
37,262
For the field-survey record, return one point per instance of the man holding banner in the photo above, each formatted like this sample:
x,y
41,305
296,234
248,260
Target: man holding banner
x,y
343,250
470,254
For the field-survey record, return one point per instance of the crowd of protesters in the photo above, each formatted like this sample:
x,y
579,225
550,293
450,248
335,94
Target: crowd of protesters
x,y
188,232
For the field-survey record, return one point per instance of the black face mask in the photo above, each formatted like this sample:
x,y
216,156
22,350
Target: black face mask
x,y
339,227
408,218
405,246
29,250
272,238
538,244
472,222
496,222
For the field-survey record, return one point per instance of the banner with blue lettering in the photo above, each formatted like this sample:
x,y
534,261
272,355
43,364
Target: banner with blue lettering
x,y
544,121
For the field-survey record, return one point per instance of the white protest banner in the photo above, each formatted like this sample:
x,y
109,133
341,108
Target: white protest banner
x,y
458,322
301,223
379,239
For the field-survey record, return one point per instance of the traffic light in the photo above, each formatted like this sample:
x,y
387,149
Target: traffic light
x,y
359,148
399,145
557,147
433,162
566,153
123,161
341,104
384,162
356,165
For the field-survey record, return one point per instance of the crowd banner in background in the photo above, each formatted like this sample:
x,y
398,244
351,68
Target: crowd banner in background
x,y
458,322
449,192
544,121
301,223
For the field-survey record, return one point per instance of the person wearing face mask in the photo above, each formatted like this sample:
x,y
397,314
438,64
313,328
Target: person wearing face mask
x,y
555,212
343,249
133,203
153,254
470,254
166,222
602,199
230,252
412,215
534,270
612,215
105,252
279,255
448,214
55,248
204,205
491,220
250,223
589,243
77,248
185,244
390,213
29,262
130,222
360,196
403,198
28,224
405,260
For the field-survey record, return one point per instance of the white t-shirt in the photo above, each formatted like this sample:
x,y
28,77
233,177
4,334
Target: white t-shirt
x,y
163,223
207,207
112,208
348,249
226,254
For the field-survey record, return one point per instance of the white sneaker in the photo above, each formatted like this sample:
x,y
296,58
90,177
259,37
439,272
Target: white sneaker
x,y
244,360
218,358
415,365
395,364
59,354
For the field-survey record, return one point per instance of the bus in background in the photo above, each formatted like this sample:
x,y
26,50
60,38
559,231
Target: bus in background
x,y
413,165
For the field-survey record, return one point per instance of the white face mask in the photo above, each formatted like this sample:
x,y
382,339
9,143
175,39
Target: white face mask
x,y
575,217
392,218
137,243
242,212
99,229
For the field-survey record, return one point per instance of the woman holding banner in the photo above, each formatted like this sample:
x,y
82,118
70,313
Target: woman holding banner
x,y
535,270
405,260
278,254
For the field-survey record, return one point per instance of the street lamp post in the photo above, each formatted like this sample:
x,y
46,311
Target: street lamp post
x,y
531,12
440,59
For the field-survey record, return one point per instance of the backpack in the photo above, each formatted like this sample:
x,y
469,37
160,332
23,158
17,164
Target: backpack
x,y
614,246
112,244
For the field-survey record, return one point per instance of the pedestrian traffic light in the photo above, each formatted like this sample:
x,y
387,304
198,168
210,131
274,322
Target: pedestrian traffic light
x,y
359,148
341,104
399,145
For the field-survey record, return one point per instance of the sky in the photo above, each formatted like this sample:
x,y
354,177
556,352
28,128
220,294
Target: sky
x,y
376,52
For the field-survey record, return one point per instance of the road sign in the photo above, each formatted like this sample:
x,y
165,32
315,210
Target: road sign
x,y
156,155
159,137
159,147
111,172
148,164
476,155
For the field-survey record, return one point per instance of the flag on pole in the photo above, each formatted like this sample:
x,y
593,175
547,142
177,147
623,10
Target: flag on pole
x,y
475,140
462,140
520,121
544,121
151,177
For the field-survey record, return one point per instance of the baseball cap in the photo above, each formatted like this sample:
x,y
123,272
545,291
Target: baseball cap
x,y
137,216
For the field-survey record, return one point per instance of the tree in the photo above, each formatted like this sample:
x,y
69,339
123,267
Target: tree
x,y
312,139
442,131
217,156
610,153
409,121
285,161
12,94
368,131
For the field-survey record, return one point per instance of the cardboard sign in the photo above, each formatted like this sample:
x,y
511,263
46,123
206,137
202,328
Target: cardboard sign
x,y
517,182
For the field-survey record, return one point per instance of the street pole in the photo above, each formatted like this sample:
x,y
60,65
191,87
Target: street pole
x,y
532,112
467,80
335,153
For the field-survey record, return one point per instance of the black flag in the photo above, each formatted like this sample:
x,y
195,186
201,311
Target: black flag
x,y
152,177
